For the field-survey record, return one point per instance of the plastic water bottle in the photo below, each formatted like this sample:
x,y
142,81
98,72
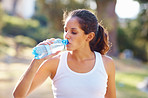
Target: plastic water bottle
x,y
42,51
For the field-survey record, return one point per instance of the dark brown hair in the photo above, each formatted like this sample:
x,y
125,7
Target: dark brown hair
x,y
89,23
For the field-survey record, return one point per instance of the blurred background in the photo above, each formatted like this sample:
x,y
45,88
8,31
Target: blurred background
x,y
25,23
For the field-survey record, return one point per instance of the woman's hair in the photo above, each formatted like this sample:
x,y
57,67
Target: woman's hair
x,y
89,23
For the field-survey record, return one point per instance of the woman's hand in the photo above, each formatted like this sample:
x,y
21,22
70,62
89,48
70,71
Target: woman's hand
x,y
47,42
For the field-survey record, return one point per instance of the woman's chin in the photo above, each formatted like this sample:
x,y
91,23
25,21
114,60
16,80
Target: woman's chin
x,y
68,49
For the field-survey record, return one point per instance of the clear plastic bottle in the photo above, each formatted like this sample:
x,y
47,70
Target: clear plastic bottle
x,y
42,51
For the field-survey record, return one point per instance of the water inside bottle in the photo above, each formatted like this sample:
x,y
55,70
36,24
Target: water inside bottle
x,y
57,47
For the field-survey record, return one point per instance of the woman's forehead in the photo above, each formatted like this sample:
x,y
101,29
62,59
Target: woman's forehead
x,y
72,22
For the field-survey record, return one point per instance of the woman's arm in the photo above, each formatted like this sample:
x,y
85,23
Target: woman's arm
x,y
110,69
25,81
47,69
36,74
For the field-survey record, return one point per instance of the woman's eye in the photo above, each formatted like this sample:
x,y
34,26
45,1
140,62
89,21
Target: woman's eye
x,y
74,33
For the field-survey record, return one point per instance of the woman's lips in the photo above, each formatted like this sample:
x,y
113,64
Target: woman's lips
x,y
69,42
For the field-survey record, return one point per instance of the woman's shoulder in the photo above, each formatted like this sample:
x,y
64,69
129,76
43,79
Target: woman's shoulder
x,y
108,64
107,59
55,59
52,64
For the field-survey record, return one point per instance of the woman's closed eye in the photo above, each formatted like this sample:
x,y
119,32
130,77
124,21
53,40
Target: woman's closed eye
x,y
73,32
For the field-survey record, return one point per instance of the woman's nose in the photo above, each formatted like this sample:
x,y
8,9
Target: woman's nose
x,y
66,35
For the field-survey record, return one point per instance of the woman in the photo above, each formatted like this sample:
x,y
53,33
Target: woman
x,y
83,71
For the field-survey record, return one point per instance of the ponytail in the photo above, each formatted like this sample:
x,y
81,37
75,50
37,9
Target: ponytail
x,y
100,42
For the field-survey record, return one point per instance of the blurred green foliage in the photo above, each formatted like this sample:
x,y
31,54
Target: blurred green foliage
x,y
18,26
3,42
32,28
23,33
7,46
142,1
53,10
134,36
1,15
26,41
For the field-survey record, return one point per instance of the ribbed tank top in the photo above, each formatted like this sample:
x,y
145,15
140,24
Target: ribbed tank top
x,y
70,84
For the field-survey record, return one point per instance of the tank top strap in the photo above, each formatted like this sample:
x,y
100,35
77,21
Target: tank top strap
x,y
61,66
100,64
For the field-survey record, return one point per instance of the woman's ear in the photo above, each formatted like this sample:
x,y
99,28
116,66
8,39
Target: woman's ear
x,y
90,36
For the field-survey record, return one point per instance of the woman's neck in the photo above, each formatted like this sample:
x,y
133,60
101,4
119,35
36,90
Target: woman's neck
x,y
82,55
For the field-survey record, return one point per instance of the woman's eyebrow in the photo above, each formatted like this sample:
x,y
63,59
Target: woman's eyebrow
x,y
74,28
71,28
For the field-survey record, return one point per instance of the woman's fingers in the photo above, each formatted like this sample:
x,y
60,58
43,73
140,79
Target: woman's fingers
x,y
50,40
51,55
47,42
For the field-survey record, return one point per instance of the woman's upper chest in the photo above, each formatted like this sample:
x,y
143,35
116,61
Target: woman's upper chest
x,y
81,66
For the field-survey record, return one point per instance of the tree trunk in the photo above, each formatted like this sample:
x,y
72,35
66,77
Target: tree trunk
x,y
106,15
14,7
1,15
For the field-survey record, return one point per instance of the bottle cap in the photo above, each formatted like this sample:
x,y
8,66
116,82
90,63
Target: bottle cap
x,y
65,41
34,53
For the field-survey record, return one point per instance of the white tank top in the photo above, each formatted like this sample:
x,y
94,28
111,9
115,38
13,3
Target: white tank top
x,y
70,84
